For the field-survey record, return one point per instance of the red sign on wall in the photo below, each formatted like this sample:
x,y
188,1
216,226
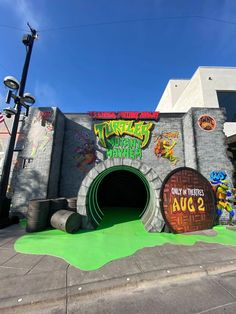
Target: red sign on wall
x,y
188,202
132,115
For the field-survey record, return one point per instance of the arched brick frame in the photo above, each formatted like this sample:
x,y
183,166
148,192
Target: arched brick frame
x,y
152,218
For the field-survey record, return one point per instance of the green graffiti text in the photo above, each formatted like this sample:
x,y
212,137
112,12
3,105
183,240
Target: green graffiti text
x,y
140,130
124,147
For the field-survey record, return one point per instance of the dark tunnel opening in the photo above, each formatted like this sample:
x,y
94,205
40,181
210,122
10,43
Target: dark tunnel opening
x,y
123,190
118,194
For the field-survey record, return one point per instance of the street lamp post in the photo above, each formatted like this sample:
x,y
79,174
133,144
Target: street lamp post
x,y
20,99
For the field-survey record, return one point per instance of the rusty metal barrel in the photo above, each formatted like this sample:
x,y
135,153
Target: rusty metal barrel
x,y
66,220
37,215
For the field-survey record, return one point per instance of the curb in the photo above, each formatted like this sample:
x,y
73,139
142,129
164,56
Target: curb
x,y
151,278
62,296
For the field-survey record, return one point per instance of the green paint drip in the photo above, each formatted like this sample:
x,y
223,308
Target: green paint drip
x,y
114,239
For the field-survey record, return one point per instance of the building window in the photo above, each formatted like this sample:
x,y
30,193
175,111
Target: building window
x,y
227,100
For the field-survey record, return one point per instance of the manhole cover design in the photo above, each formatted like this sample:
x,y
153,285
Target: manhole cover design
x,y
188,202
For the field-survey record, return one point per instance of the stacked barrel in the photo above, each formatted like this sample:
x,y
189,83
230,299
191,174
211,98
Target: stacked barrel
x,y
37,215
72,204
59,213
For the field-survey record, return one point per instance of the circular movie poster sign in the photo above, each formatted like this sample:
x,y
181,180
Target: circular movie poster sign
x,y
188,201
206,122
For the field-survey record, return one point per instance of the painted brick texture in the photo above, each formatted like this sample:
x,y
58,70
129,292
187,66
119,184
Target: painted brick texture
x,y
32,173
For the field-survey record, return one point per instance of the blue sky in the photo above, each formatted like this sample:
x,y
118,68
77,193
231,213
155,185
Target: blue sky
x,y
115,54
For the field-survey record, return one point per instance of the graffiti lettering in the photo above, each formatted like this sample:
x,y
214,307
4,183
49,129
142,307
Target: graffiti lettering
x,y
102,115
124,153
187,191
124,142
201,206
124,148
195,192
185,203
128,115
177,191
140,130
125,115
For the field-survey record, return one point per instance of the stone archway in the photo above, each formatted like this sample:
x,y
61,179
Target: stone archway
x,y
152,217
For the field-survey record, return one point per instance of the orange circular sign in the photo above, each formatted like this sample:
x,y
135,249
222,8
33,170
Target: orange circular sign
x,y
188,201
206,122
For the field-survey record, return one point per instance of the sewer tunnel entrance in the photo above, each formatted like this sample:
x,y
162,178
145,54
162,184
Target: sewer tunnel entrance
x,y
120,193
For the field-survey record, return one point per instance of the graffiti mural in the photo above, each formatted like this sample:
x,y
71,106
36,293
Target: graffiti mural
x,y
41,132
85,151
164,146
223,190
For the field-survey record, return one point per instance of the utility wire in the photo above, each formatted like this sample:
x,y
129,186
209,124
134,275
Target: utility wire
x,y
12,27
126,21
139,20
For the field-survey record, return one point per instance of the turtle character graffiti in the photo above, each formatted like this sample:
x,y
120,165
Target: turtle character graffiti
x,y
164,146
223,192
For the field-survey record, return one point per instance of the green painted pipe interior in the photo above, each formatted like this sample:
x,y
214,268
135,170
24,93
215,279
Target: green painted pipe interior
x,y
94,212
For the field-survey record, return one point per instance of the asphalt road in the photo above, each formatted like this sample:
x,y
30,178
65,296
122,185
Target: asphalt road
x,y
211,294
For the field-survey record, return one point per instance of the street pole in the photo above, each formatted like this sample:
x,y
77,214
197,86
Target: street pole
x,y
4,201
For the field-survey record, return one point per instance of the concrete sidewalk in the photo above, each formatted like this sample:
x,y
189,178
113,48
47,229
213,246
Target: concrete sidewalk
x,y
46,284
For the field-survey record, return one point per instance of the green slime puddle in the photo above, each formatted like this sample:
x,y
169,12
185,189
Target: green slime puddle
x,y
114,239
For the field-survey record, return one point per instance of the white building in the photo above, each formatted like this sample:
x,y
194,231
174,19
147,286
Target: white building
x,y
210,87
